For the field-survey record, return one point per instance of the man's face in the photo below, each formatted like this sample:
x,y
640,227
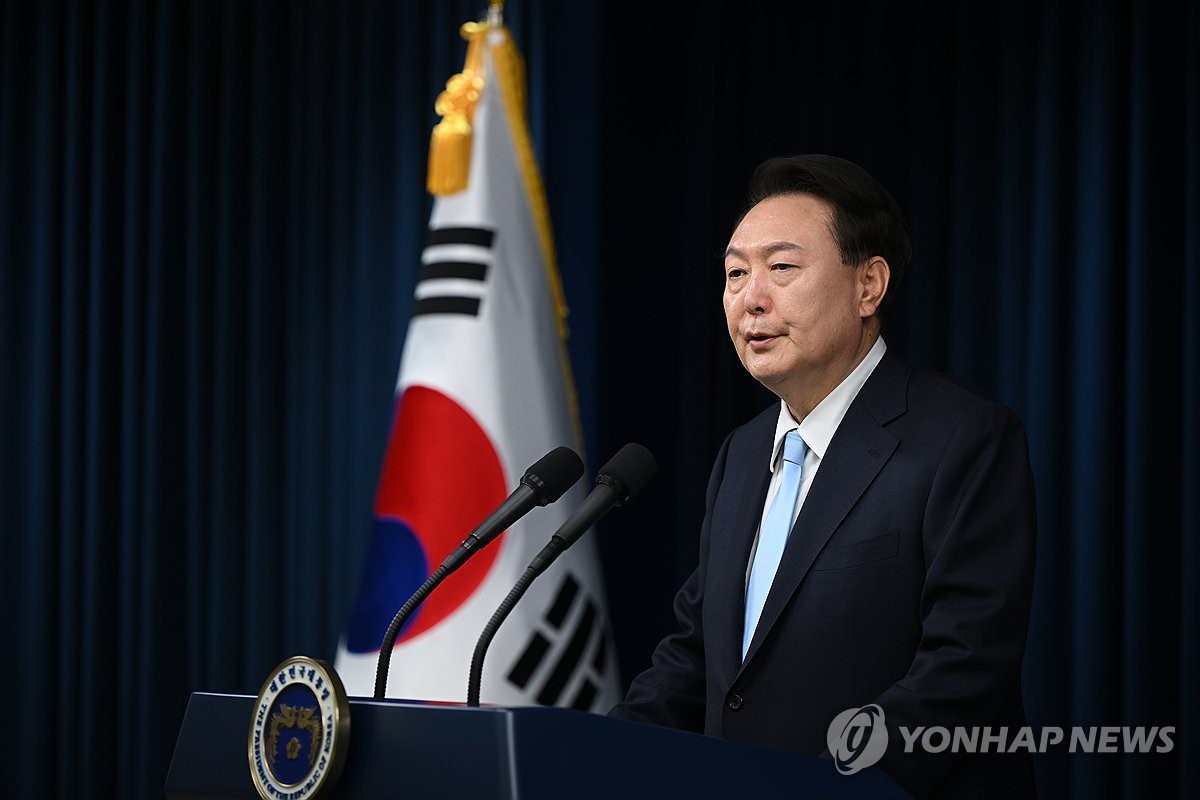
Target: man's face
x,y
792,308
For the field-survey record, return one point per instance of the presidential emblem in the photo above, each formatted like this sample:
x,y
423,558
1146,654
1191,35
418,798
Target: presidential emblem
x,y
300,730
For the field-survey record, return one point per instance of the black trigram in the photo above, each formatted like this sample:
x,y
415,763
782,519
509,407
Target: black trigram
x,y
433,298
585,651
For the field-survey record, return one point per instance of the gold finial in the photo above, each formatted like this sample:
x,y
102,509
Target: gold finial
x,y
495,15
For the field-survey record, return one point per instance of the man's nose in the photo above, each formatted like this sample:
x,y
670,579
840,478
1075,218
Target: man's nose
x,y
756,298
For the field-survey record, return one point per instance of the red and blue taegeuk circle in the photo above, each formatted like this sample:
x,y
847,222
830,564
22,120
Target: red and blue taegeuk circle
x,y
441,477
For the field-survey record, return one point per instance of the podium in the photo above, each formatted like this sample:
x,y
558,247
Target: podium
x,y
409,749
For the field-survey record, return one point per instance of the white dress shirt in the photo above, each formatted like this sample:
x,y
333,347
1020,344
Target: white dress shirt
x,y
817,431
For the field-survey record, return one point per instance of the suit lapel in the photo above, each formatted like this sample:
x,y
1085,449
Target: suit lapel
x,y
858,451
726,592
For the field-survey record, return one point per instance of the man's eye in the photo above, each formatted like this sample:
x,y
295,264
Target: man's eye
x,y
734,272
783,266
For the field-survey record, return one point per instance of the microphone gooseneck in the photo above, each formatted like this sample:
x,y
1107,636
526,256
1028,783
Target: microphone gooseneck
x,y
543,483
625,474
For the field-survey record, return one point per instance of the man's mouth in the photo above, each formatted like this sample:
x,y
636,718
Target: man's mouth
x,y
757,339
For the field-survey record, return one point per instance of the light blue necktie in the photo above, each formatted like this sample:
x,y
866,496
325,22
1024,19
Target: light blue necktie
x,y
774,534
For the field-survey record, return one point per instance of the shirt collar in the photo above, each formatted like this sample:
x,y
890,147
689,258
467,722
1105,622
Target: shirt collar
x,y
818,427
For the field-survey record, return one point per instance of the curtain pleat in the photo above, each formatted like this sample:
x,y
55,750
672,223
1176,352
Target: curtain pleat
x,y
1187,435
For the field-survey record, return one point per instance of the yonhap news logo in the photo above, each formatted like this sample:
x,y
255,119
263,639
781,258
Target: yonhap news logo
x,y
857,739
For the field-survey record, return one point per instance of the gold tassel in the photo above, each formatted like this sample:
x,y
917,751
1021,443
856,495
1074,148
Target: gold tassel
x,y
450,142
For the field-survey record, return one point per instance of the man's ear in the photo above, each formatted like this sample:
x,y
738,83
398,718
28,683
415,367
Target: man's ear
x,y
874,274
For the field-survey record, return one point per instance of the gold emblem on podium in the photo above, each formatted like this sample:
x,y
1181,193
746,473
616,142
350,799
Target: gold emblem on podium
x,y
299,731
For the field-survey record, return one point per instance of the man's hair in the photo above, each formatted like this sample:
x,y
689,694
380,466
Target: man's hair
x,y
867,221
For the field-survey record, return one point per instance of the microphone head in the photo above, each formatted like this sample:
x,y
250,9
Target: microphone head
x,y
628,471
553,474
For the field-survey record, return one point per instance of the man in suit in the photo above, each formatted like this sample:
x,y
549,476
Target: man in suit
x,y
906,578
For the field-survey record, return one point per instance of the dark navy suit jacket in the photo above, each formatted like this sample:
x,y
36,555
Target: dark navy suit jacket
x,y
906,582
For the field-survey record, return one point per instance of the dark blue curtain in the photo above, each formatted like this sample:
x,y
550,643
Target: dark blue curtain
x,y
210,220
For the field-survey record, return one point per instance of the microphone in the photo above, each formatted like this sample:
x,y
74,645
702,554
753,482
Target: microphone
x,y
625,474
619,480
543,483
